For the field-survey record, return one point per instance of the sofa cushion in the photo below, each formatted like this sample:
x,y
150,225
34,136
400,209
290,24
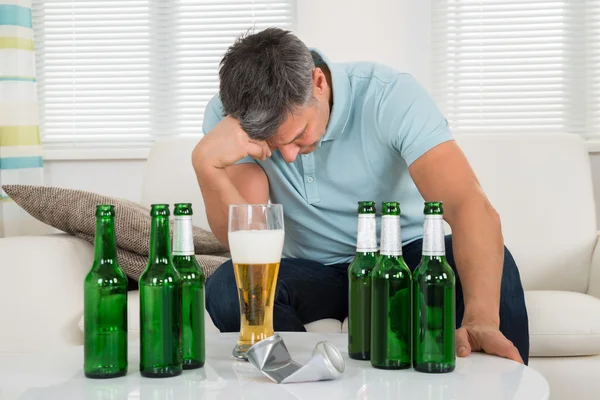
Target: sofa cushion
x,y
563,323
41,296
73,211
326,325
519,169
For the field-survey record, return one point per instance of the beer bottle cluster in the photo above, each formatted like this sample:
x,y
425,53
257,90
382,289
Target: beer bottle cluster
x,y
398,319
171,290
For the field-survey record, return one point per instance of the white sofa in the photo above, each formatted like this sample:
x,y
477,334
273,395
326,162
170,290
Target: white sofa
x,y
540,184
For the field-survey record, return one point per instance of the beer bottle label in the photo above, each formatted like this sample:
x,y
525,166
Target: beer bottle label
x,y
433,238
183,239
366,240
391,242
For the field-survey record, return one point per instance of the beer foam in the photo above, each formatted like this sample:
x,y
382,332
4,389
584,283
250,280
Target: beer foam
x,y
256,247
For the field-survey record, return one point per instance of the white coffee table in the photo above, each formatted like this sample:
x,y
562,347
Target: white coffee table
x,y
58,375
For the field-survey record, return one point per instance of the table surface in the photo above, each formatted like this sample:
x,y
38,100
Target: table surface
x,y
59,375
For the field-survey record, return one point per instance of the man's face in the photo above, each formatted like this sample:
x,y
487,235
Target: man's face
x,y
302,130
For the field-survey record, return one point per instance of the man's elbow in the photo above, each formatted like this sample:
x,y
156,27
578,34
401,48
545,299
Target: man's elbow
x,y
196,159
493,215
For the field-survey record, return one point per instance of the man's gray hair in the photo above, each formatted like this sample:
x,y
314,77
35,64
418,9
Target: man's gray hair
x,y
263,77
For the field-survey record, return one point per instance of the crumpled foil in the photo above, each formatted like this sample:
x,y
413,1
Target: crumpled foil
x,y
273,359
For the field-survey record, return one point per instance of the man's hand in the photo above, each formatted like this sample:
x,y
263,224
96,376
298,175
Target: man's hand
x,y
487,338
221,182
226,144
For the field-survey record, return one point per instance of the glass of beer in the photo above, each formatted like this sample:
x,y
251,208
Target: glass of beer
x,y
256,242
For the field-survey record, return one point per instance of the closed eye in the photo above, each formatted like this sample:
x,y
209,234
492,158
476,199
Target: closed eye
x,y
298,136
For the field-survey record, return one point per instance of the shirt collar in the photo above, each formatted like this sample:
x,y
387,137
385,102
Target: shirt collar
x,y
342,100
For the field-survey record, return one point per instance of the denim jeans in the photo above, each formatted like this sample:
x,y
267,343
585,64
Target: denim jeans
x,y
308,291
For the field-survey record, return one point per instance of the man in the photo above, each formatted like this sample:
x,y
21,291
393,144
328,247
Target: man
x,y
317,137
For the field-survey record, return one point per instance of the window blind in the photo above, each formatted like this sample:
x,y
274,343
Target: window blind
x,y
115,71
517,66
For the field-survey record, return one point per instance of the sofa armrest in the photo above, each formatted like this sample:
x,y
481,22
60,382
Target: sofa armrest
x,y
41,299
594,285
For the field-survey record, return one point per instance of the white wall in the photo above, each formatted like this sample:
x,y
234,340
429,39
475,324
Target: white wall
x,y
394,32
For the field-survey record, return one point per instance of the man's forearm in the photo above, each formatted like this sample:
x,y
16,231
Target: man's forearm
x,y
478,248
218,193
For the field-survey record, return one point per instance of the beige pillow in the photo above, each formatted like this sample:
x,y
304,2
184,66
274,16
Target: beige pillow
x,y
73,212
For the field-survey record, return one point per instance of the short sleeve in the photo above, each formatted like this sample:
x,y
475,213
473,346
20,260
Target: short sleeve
x,y
409,120
213,114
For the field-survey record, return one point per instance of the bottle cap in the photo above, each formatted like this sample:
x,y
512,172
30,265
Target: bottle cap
x,y
390,208
161,210
105,210
433,208
183,209
366,207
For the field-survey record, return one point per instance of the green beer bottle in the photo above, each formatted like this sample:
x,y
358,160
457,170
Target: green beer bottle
x,y
105,304
160,303
359,277
192,294
391,297
433,299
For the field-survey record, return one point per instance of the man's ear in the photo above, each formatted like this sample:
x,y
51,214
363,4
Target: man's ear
x,y
319,80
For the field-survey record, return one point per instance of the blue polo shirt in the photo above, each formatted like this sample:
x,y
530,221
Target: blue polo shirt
x,y
382,120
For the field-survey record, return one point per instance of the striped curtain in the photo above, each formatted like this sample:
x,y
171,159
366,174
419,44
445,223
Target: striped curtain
x,y
20,145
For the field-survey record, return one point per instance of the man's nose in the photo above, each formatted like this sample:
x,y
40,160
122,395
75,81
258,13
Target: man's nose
x,y
289,152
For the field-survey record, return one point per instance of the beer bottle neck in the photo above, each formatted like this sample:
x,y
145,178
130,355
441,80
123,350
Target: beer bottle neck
x,y
433,236
391,239
366,238
105,248
183,239
160,243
